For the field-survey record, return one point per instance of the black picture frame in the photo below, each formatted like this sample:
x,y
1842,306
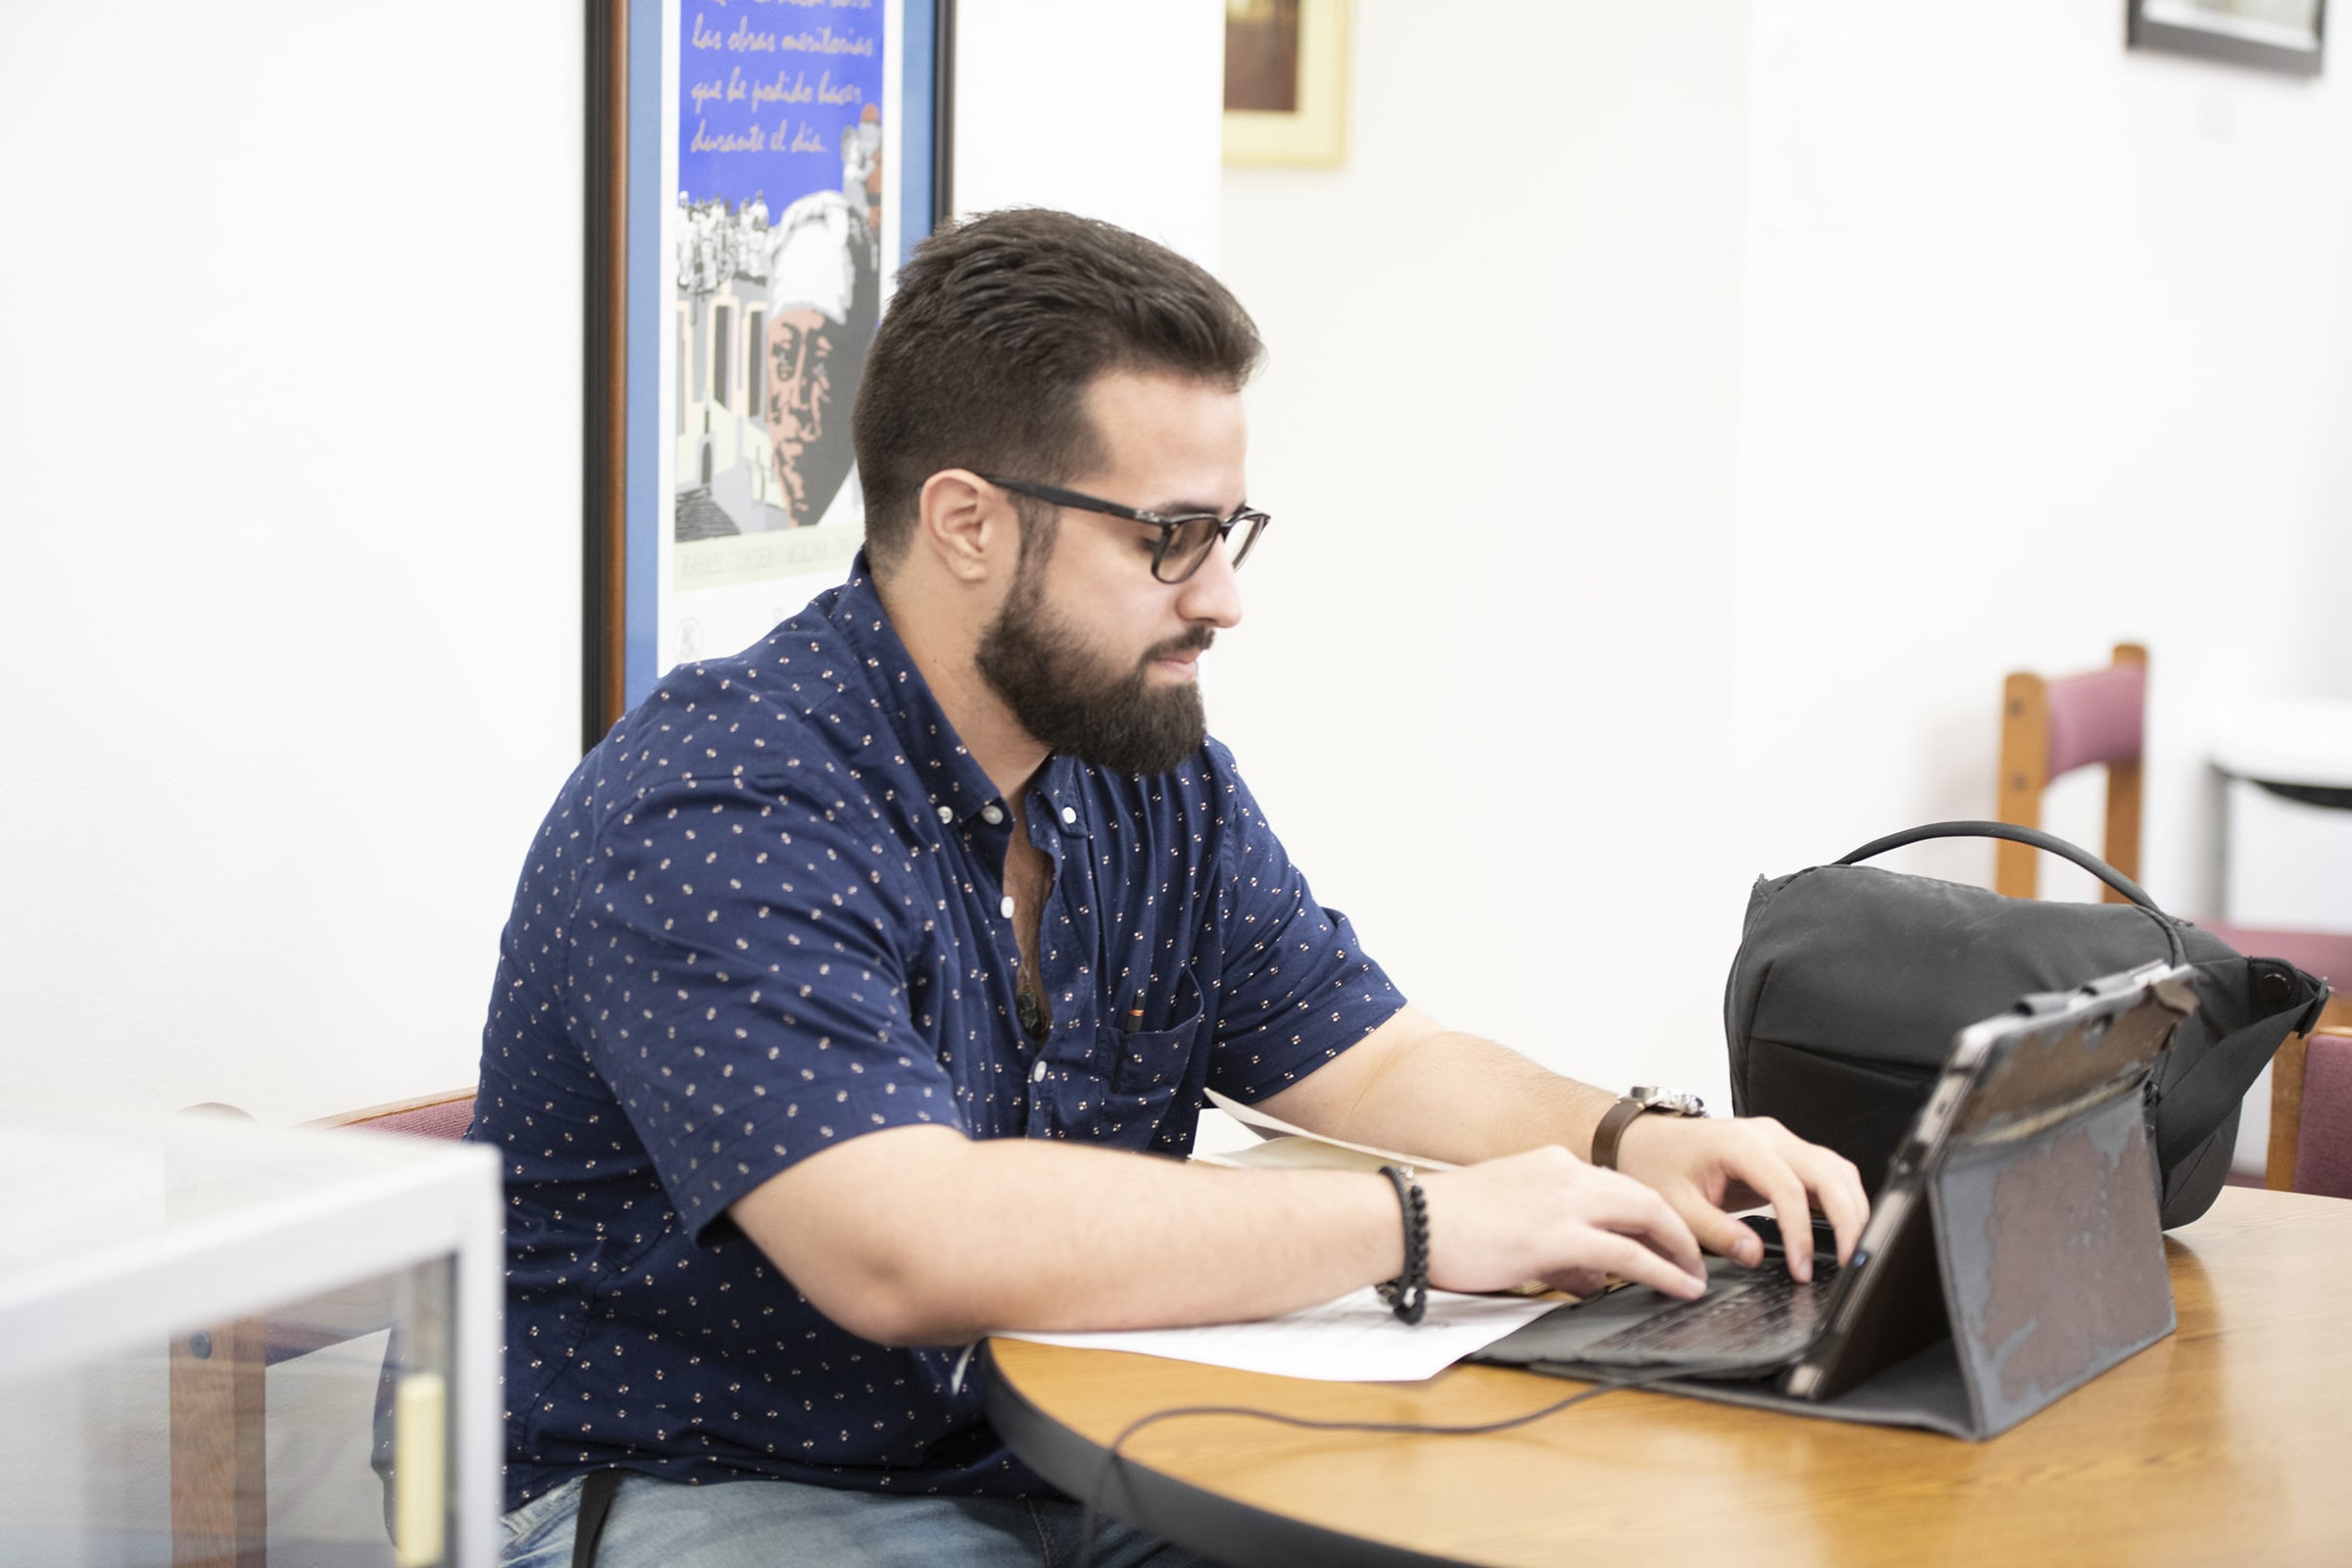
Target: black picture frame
x,y
2185,28
626,197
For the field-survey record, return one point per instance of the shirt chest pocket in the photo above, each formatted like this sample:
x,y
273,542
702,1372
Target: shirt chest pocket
x,y
1136,1074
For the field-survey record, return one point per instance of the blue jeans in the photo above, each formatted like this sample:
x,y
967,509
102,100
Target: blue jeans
x,y
769,1524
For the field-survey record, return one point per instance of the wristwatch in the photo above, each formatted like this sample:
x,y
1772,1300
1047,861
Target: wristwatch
x,y
1643,1100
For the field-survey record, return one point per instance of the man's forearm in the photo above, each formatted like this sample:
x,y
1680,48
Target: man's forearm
x,y
924,1237
1442,1095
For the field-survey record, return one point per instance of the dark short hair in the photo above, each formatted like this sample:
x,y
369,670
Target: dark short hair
x,y
999,327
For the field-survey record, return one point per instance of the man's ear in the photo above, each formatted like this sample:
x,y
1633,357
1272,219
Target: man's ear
x,y
969,525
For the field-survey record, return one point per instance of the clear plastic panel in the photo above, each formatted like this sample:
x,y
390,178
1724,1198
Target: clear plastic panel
x,y
221,1344
308,1433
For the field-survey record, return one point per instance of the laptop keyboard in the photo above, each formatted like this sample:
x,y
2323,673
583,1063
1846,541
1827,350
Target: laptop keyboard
x,y
1770,1315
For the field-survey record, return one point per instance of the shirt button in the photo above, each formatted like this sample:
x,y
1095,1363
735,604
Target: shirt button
x,y
1006,907
947,814
990,815
1037,1074
1069,813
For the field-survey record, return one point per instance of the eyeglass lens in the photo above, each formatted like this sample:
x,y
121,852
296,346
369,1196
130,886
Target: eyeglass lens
x,y
1189,543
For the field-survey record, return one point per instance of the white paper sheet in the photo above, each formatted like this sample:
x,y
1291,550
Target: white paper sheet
x,y
1356,1338
1288,1146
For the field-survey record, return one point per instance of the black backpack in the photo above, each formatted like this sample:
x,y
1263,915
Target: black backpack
x,y
1851,982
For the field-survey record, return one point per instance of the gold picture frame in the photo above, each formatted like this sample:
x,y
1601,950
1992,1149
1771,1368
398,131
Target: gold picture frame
x,y
1286,82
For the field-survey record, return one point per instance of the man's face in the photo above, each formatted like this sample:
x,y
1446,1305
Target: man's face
x,y
1097,658
800,392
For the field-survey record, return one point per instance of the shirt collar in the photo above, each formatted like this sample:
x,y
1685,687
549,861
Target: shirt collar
x,y
952,780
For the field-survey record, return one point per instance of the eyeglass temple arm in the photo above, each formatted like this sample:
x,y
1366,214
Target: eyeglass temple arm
x,y
1072,498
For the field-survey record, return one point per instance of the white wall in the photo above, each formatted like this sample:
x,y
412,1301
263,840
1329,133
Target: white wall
x,y
1480,688
1108,110
289,463
2047,346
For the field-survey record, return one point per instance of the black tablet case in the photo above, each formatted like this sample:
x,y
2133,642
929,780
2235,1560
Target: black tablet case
x,y
2053,1270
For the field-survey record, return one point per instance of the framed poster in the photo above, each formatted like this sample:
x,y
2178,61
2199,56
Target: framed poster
x,y
756,173
2276,34
1286,81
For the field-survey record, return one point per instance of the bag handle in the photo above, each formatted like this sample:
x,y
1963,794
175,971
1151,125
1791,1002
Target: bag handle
x,y
2047,842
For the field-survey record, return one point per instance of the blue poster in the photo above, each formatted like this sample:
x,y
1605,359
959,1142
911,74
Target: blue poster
x,y
783,157
781,143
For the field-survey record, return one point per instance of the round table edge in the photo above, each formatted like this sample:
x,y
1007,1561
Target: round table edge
x,y
1208,1522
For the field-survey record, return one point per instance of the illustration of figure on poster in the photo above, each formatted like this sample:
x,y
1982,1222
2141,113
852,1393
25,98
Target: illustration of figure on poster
x,y
773,315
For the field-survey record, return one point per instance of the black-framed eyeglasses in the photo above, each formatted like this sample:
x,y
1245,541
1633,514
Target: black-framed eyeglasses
x,y
1185,537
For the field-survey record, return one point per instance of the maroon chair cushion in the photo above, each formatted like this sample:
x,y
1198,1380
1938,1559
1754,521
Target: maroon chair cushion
x,y
448,1120
2096,718
2325,953
2324,1145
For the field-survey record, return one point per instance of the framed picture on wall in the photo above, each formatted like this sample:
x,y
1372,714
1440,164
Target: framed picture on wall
x,y
1286,81
756,176
2276,34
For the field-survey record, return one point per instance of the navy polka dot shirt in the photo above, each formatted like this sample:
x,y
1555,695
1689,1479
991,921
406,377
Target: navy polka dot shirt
x,y
766,914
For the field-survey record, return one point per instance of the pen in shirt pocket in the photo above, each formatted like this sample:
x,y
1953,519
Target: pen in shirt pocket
x,y
1124,1064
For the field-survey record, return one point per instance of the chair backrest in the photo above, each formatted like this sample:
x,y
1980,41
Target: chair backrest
x,y
2051,727
446,1114
2311,1115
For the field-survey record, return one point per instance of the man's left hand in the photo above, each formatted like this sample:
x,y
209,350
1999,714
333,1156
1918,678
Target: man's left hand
x,y
1703,1167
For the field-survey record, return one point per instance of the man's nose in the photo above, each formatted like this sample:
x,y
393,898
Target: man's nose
x,y
1213,593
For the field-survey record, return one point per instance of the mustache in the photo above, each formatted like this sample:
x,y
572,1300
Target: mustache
x,y
1197,640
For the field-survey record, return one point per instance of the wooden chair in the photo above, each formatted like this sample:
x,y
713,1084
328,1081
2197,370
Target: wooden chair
x,y
220,1457
446,1114
2311,1115
2051,727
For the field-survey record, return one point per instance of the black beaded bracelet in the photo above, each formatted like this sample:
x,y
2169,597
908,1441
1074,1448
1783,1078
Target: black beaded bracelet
x,y
1407,1295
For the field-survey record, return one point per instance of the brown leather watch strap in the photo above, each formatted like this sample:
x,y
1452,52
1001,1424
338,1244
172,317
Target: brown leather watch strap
x,y
1613,1123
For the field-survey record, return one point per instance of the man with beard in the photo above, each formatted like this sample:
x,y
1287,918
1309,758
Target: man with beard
x,y
858,987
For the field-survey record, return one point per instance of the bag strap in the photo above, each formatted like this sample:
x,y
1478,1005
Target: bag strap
x,y
2049,843
2210,1090
595,1502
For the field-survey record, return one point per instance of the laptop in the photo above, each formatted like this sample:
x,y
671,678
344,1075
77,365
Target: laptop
x,y
2045,1064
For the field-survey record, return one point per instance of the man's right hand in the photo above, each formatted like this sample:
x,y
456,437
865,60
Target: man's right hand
x,y
1545,1214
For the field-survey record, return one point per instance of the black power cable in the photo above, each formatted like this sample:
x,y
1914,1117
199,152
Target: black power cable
x,y
1110,1458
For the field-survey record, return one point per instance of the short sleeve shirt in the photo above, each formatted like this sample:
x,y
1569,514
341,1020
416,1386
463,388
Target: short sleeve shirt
x,y
767,914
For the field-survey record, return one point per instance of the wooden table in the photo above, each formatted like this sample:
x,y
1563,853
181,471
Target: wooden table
x,y
2229,1442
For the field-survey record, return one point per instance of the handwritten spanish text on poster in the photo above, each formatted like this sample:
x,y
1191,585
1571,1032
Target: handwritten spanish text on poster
x,y
780,139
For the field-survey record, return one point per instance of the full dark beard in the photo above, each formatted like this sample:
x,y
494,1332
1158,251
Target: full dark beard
x,y
1067,702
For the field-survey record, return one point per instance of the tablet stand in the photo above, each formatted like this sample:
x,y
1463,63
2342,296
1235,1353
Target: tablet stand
x,y
2053,1269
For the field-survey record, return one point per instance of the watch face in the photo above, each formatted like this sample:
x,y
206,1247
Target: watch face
x,y
1668,1102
